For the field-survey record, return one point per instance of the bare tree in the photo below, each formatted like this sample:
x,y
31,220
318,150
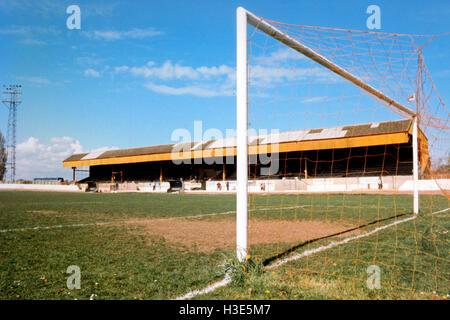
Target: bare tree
x,y
3,156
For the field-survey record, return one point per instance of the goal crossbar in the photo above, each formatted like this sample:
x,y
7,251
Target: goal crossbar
x,y
272,31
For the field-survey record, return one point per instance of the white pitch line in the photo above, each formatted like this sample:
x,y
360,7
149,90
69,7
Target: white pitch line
x,y
230,212
441,211
334,244
259,209
227,278
222,283
110,222
203,215
58,226
180,217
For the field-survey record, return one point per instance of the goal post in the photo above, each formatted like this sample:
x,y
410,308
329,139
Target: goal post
x,y
245,18
241,136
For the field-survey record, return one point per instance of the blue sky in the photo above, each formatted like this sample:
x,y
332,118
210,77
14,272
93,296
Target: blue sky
x,y
138,70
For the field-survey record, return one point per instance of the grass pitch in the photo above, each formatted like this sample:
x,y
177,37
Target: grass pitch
x,y
112,238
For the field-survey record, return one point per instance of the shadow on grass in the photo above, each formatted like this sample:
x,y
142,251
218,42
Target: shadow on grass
x,y
300,245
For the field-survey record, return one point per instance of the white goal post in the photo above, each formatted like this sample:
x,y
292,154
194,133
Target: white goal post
x,y
243,18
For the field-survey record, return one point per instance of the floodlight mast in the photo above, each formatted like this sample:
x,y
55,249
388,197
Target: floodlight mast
x,y
12,100
242,18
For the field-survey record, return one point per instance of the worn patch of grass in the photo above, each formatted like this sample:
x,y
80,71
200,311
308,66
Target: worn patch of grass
x,y
114,265
413,258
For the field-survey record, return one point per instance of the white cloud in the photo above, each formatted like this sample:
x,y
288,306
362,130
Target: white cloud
x,y
169,71
166,72
99,9
121,69
112,35
315,99
263,76
209,81
89,61
15,30
279,67
91,73
29,35
188,90
280,55
29,30
140,33
35,158
36,80
276,66
106,35
32,42
216,71
43,7
212,81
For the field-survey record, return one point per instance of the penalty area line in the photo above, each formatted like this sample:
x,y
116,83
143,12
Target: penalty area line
x,y
58,226
344,241
233,211
441,211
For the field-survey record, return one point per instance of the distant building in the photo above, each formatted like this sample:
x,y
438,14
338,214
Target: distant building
x,y
374,149
47,180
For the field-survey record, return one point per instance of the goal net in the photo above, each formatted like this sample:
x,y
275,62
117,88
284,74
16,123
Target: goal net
x,y
342,158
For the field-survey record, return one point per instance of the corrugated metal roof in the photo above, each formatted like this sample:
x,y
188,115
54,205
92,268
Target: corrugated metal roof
x,y
292,136
377,128
75,157
138,151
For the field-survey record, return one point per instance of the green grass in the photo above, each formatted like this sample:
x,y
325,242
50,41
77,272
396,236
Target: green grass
x,y
413,259
117,261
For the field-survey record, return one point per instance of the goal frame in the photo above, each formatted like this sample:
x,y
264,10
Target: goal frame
x,y
243,18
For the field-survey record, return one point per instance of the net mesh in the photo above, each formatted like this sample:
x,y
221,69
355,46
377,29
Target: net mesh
x,y
333,192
